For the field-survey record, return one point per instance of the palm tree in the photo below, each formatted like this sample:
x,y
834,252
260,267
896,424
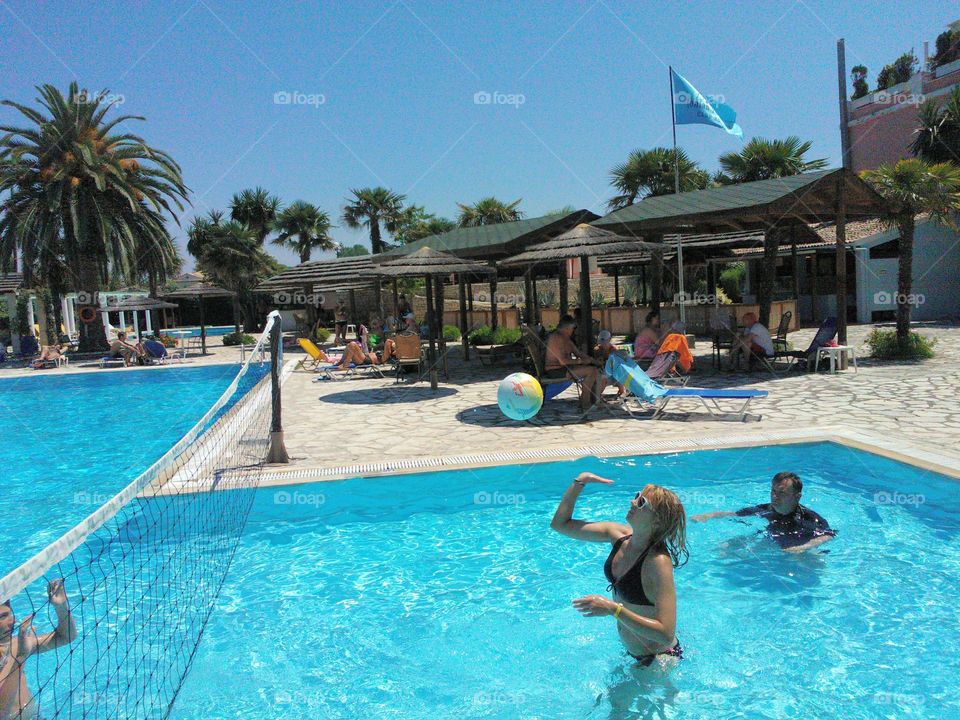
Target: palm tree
x,y
303,227
650,172
912,187
488,211
371,206
96,194
231,257
938,135
257,209
415,223
762,159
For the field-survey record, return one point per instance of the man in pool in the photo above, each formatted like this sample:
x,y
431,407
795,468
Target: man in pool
x,y
16,700
794,527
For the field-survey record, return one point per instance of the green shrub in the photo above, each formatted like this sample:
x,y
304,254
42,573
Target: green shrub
x,y
323,335
484,335
238,339
884,345
451,333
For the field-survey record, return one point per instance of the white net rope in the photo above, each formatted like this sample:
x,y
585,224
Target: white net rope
x,y
120,601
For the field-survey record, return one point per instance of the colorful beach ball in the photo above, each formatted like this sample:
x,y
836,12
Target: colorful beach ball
x,y
520,396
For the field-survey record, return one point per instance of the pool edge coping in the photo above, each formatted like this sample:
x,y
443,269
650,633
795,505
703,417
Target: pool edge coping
x,y
943,464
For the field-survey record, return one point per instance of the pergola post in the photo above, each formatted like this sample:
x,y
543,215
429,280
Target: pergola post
x,y
470,296
432,324
795,258
396,302
462,291
643,285
528,297
352,303
440,306
203,327
616,287
586,310
493,299
841,284
563,288
536,300
656,284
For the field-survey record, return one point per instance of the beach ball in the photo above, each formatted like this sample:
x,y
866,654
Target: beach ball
x,y
520,396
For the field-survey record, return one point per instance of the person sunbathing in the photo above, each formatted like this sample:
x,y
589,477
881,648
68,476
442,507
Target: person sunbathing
x,y
564,359
50,353
360,353
16,700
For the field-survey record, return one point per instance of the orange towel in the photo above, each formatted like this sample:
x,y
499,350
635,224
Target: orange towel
x,y
678,343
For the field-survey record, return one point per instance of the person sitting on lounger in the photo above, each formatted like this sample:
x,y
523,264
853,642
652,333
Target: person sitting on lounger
x,y
794,527
755,342
360,353
564,359
603,350
120,349
648,340
16,700
50,353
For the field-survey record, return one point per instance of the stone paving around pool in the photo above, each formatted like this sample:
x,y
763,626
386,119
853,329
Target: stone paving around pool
x,y
333,423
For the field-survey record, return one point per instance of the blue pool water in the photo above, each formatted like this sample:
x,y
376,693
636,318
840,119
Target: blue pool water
x,y
211,330
446,595
72,441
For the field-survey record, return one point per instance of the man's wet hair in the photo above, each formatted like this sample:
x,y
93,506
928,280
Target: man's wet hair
x,y
566,321
795,482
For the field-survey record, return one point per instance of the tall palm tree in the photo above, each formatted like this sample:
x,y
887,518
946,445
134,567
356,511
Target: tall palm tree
x,y
489,211
914,186
257,209
371,206
762,159
415,223
232,258
303,227
69,178
650,172
938,134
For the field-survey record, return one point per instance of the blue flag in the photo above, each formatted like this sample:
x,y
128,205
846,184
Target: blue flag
x,y
692,108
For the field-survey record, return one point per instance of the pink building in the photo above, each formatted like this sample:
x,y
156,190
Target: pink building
x,y
882,123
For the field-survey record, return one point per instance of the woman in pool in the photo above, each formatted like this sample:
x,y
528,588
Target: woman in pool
x,y
640,566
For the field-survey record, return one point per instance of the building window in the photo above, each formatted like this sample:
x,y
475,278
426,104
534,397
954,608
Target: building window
x,y
886,251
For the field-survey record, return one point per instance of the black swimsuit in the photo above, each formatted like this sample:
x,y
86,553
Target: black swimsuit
x,y
629,586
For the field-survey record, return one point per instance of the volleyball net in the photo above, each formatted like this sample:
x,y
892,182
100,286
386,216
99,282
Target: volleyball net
x,y
119,603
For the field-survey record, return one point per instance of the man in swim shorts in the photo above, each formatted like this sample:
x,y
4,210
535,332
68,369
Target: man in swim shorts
x,y
16,700
794,527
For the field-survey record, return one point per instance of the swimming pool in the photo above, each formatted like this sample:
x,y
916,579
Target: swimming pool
x,y
447,595
71,441
211,330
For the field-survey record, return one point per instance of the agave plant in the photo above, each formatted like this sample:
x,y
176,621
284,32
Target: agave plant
x,y
82,194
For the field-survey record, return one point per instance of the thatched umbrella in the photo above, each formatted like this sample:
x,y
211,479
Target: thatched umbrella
x,y
432,265
584,241
198,292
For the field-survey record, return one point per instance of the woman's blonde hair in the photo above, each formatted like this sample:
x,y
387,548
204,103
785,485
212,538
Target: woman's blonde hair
x,y
670,523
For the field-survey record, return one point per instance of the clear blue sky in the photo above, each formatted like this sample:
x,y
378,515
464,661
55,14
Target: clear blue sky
x,y
398,81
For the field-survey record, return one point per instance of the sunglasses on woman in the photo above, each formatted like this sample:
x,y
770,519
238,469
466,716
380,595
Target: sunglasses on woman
x,y
641,500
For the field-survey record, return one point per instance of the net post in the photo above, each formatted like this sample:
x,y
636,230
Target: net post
x,y
278,452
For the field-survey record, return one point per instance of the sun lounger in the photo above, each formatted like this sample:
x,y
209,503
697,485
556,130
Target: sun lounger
x,y
409,355
663,367
826,333
315,356
156,353
653,398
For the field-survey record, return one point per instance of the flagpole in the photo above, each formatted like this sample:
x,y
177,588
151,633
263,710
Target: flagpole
x,y
676,191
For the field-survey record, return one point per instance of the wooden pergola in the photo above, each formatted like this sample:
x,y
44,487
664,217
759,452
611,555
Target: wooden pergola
x,y
197,292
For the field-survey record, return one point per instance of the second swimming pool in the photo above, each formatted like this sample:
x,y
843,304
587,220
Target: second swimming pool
x,y
447,595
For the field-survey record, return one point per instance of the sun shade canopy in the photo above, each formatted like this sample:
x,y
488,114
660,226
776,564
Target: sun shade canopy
x,y
583,240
